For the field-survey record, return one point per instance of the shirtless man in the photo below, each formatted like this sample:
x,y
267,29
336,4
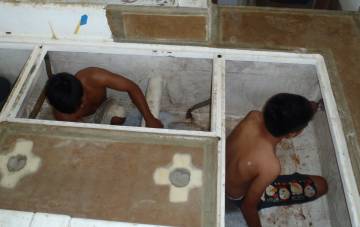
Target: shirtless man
x,y
252,167
75,97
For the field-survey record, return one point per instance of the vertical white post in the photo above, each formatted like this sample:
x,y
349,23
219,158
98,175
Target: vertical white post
x,y
218,126
217,98
351,191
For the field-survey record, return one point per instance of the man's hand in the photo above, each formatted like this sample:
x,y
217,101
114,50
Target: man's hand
x,y
154,123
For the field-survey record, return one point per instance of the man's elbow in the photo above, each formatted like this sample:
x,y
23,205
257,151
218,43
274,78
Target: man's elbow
x,y
132,87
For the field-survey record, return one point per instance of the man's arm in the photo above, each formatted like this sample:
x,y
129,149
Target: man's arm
x,y
252,198
120,83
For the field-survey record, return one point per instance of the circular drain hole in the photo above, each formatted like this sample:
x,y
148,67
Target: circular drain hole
x,y
16,163
180,177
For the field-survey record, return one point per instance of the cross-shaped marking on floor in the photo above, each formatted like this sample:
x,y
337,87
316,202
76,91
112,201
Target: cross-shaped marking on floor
x,y
181,176
18,163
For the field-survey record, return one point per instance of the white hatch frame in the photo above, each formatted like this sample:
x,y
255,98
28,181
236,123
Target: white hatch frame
x,y
219,57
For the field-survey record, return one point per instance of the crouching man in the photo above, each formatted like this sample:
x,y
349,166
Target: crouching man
x,y
74,97
253,179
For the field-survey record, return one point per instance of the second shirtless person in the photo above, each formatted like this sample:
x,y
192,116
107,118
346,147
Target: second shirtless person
x,y
79,96
253,179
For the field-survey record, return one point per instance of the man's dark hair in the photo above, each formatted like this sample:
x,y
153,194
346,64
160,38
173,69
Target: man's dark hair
x,y
64,92
286,113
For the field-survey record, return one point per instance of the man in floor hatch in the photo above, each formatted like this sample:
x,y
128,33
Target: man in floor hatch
x,y
253,179
74,97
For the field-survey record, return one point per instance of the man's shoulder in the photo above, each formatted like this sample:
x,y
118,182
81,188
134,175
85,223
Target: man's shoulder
x,y
253,113
92,76
90,71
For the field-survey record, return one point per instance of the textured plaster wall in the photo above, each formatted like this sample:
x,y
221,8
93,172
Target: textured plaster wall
x,y
250,84
158,24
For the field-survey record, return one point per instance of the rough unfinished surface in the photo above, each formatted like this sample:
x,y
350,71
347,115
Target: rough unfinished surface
x,y
157,24
85,173
177,27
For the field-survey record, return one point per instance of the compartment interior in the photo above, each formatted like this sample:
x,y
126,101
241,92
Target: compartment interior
x,y
185,82
248,86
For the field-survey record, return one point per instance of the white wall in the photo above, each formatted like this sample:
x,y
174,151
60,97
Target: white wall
x,y
250,84
350,5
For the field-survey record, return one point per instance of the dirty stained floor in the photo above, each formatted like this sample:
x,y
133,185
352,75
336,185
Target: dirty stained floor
x,y
296,155
101,177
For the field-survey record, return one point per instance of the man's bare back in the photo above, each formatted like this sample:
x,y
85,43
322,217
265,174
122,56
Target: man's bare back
x,y
249,149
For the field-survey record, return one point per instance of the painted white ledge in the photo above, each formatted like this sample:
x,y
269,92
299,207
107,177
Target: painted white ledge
x,y
12,218
53,220
81,222
219,79
161,131
217,99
